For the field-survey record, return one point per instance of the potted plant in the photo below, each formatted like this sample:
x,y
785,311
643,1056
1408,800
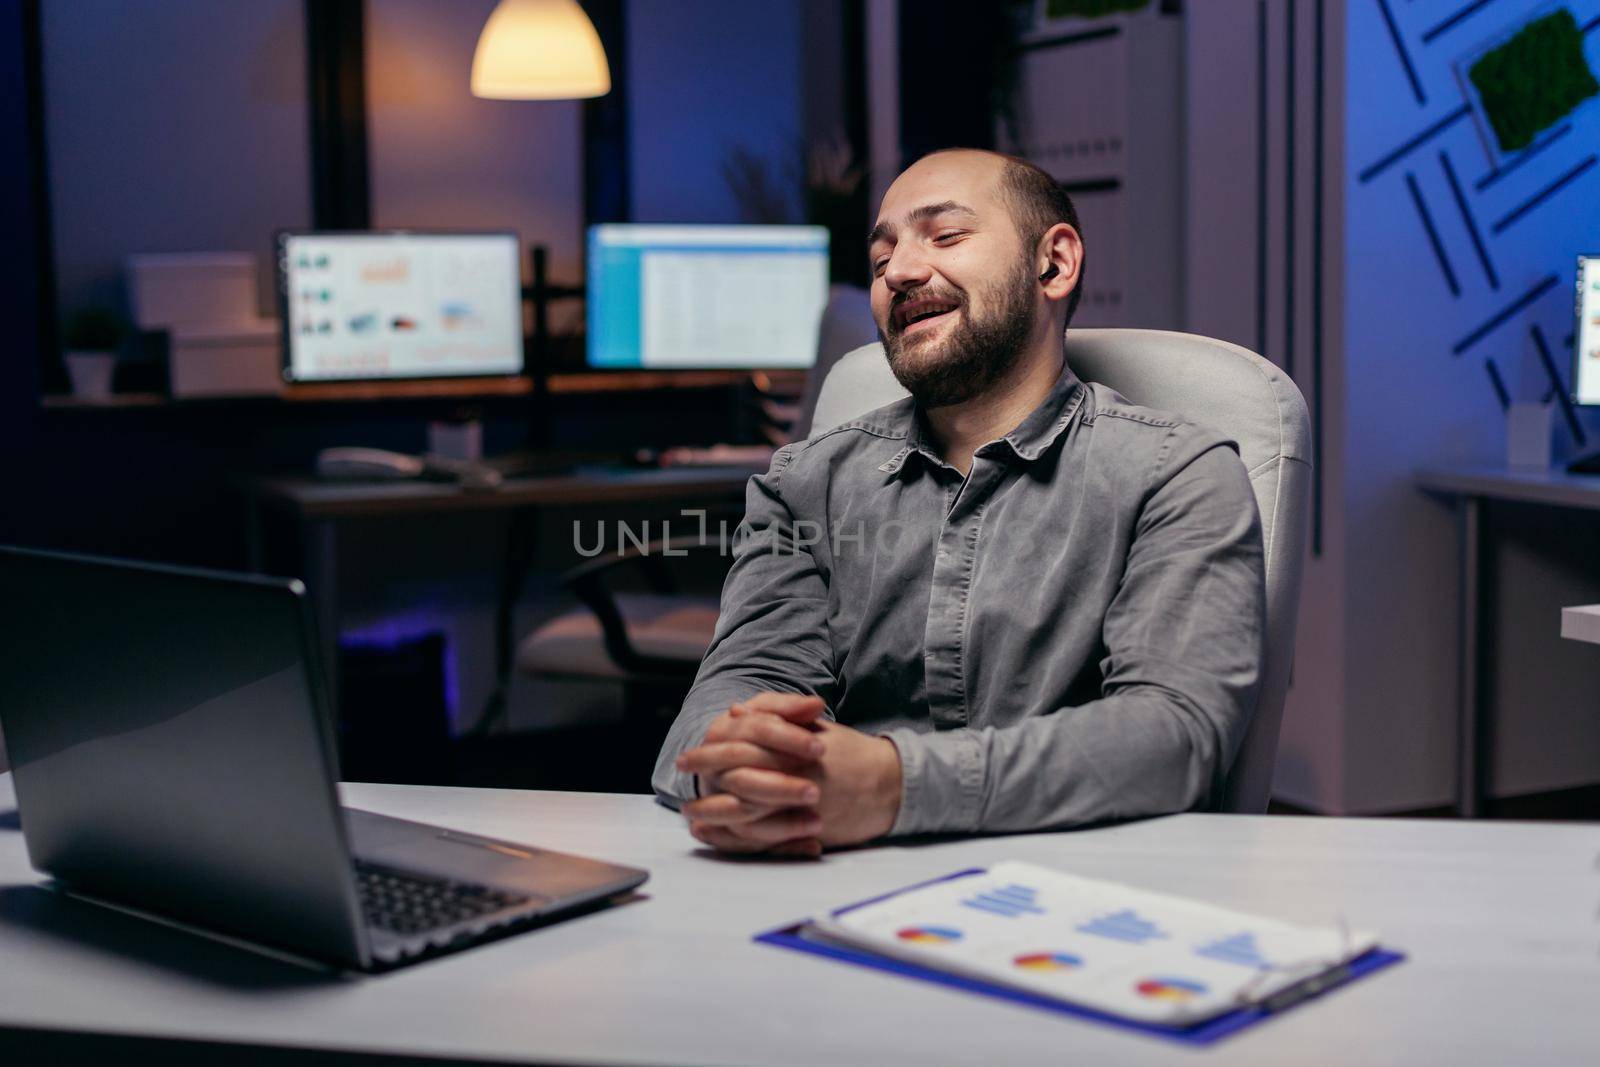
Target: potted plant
x,y
91,338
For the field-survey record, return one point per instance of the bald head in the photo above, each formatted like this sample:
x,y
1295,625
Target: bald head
x,y
961,176
1035,200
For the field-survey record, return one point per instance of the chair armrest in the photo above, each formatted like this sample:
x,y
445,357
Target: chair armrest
x,y
586,581
647,555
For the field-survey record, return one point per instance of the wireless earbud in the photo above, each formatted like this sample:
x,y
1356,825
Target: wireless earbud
x,y
1051,273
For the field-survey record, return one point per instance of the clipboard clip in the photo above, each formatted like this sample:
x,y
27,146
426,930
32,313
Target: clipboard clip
x,y
1324,975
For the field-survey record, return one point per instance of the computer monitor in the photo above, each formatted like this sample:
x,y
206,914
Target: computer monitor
x,y
388,305
700,297
1586,337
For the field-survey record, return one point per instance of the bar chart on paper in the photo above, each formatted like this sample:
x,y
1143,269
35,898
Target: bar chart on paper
x,y
1010,901
1125,925
1239,949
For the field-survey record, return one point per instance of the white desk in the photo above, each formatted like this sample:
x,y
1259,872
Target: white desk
x,y
1498,920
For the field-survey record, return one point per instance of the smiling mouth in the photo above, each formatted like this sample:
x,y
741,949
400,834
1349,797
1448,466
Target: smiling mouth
x,y
920,317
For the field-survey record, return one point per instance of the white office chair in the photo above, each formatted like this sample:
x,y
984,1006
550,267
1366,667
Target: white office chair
x,y
1213,384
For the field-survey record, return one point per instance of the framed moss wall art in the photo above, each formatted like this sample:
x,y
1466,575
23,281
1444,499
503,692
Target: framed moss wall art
x,y
1528,81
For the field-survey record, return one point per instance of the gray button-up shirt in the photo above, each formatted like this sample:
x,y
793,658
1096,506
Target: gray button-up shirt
x,y
1072,632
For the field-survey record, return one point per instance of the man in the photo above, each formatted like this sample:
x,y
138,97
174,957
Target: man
x,y
1012,601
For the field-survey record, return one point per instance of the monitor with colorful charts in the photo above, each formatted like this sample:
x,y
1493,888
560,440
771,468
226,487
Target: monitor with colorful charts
x,y
386,305
1586,337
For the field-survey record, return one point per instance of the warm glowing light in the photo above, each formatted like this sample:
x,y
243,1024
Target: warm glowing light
x,y
539,50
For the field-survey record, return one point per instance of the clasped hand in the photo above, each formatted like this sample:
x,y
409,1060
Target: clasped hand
x,y
778,777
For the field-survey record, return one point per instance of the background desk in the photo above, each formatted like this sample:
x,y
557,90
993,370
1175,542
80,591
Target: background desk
x,y
320,507
1470,487
1581,623
1498,920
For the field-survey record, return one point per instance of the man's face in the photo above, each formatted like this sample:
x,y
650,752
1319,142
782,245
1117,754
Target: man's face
x,y
953,290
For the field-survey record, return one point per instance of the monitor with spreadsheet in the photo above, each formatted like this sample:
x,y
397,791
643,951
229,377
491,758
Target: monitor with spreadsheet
x,y
1586,335
667,297
385,305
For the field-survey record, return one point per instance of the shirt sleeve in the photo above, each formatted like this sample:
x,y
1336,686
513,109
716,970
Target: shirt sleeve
x,y
1184,637
772,628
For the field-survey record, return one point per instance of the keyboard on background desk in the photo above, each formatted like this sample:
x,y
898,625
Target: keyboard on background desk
x,y
550,465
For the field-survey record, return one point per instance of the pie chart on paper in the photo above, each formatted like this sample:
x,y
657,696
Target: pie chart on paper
x,y
1177,990
1048,961
929,935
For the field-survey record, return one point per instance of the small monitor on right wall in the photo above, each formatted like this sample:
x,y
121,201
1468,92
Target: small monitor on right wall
x,y
1586,337
1586,356
670,297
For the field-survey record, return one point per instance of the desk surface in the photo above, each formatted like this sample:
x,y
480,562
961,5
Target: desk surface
x,y
1555,487
311,498
1498,920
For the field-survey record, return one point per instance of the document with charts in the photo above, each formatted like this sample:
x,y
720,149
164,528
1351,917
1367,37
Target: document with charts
x,y
1144,956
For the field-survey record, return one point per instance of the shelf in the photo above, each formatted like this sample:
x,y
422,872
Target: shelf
x,y
430,389
571,384
67,402
625,381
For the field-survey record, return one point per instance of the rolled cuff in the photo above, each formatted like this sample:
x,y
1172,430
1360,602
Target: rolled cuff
x,y
941,782
674,787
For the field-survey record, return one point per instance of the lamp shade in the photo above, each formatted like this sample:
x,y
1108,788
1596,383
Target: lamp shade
x,y
539,50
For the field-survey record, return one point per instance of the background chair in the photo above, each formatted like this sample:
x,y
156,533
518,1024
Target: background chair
x,y
651,642
1213,384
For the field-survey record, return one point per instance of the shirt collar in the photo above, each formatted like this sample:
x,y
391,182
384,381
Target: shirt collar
x,y
1031,438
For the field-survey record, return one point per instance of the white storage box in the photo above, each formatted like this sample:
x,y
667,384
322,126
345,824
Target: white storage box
x,y
169,292
236,359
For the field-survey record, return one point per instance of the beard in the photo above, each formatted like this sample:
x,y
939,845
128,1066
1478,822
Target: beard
x,y
977,352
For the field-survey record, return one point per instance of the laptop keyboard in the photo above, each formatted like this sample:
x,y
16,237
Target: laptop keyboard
x,y
406,903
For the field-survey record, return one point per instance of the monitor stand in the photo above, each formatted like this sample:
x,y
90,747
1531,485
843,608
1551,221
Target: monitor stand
x,y
459,437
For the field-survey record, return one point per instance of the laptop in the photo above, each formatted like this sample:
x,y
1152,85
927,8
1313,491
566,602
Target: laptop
x,y
173,755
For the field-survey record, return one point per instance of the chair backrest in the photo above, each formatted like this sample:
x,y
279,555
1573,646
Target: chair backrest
x,y
846,325
1213,384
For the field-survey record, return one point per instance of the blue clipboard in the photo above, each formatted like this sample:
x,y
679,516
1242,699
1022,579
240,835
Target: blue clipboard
x,y
1203,1033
